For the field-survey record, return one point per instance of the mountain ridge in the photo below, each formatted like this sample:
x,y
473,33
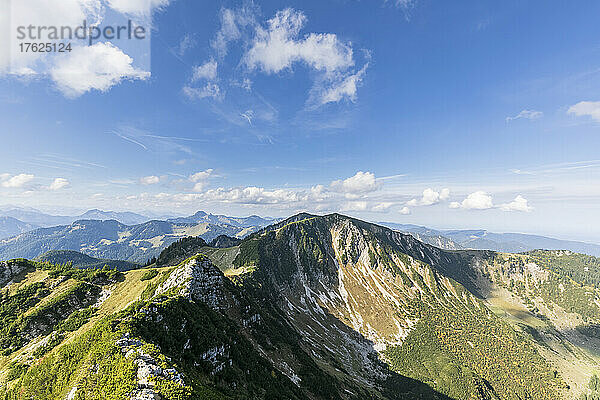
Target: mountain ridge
x,y
83,261
10,226
241,222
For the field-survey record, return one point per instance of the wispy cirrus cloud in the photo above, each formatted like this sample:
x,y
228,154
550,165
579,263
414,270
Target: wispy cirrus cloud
x,y
558,168
234,24
526,114
405,5
383,206
206,75
187,42
149,141
337,87
150,180
248,115
59,162
208,90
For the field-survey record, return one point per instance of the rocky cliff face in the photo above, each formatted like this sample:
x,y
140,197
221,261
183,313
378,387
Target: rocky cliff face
x,y
11,269
198,279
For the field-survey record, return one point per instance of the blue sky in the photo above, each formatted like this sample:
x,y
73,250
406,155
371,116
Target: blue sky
x,y
475,114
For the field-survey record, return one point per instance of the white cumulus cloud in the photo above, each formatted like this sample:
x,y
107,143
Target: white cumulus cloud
x,y
479,200
186,43
405,210
274,46
518,204
47,13
430,197
360,183
279,46
200,179
84,68
96,67
586,108
59,183
252,195
16,181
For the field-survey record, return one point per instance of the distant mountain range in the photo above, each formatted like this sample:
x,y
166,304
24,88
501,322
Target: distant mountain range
x,y
127,218
16,220
112,239
39,219
483,240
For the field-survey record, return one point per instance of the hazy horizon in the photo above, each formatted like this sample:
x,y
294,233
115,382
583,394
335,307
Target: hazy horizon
x,y
157,215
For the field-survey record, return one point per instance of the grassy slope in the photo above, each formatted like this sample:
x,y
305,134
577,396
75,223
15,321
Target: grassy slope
x,y
64,296
552,309
93,345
